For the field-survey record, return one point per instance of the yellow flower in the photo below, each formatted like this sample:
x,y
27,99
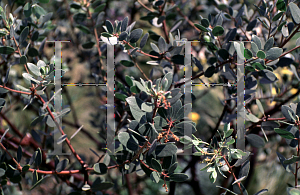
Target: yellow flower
x,y
286,71
293,91
195,69
271,104
194,116
274,91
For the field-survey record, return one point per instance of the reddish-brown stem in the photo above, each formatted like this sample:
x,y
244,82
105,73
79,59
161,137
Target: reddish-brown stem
x,y
20,52
16,91
96,37
136,64
201,74
166,31
18,165
62,132
289,38
164,174
275,119
231,171
284,53
147,8
125,42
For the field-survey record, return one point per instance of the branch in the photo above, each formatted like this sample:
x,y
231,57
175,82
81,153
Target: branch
x,y
62,132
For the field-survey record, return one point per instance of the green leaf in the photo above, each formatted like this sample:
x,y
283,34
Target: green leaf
x,y
295,12
88,45
162,45
257,41
35,177
258,66
172,168
277,16
6,50
291,160
127,63
109,26
100,168
124,24
32,52
260,107
38,158
280,5
38,11
218,31
75,5
251,25
27,9
248,54
252,117
84,29
144,40
274,53
96,186
179,177
159,122
19,154
24,35
210,71
261,54
147,106
288,113
178,59
205,23
268,75
128,80
223,53
100,8
167,81
154,176
135,35
293,191
135,105
37,183
34,69
25,168
269,125
228,133
255,140
122,36
134,89
105,34
165,150
283,133
254,47
128,141
200,27
269,44
156,165
23,60
62,165
2,172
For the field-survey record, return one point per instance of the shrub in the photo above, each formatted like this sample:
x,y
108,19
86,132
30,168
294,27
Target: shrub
x,y
156,117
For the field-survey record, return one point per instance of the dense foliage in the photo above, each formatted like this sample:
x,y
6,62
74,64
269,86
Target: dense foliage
x,y
152,112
